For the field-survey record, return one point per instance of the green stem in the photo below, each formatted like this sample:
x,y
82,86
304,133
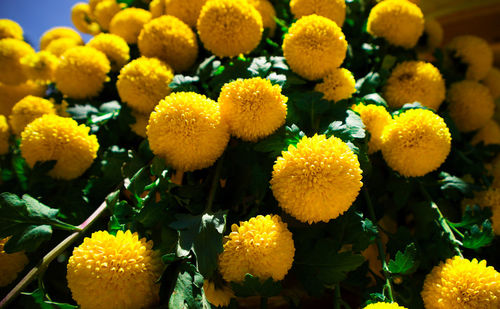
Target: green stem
x,y
338,297
215,185
263,302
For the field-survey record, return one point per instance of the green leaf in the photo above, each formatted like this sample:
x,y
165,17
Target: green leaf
x,y
259,67
187,291
453,183
139,181
110,107
473,215
374,98
352,129
252,286
36,299
277,79
82,112
184,83
478,237
404,263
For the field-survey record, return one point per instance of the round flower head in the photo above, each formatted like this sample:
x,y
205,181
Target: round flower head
x,y
4,135
492,81
219,296
40,67
399,22
27,110
157,8
314,46
338,85
317,180
10,95
120,271
59,46
82,19
433,34
105,11
52,137
415,81
491,198
267,12
10,29
416,142
489,134
128,23
459,283
114,47
375,118
332,9
185,10
228,28
186,130
170,40
474,52
143,82
384,306
253,108
140,124
93,4
10,264
262,246
11,52
58,33
470,104
82,72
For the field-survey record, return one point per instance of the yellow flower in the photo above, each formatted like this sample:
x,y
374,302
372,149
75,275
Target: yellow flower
x,y
459,283
58,33
93,4
140,124
219,296
314,46
4,135
59,46
332,9
489,134
10,264
399,22
384,306
261,246
492,81
228,28
82,72
253,108
185,10
491,198
416,142
105,11
10,29
52,137
267,12
338,85
157,8
143,82
120,271
415,81
9,95
433,33
114,47
474,52
375,118
11,52
470,104
28,109
82,19
317,180
40,67
170,40
186,129
128,23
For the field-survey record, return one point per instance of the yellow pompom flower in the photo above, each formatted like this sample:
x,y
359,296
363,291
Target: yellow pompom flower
x,y
52,137
316,180
59,46
491,198
10,264
331,9
82,72
415,81
105,11
4,135
110,272
228,28
399,22
170,40
28,109
10,95
219,296
114,47
375,118
10,29
492,81
11,52
253,108
470,104
128,23
58,33
157,8
140,124
474,52
314,46
186,130
459,283
338,85
384,306
143,82
82,19
185,10
262,246
489,134
416,142
433,32
267,12
40,67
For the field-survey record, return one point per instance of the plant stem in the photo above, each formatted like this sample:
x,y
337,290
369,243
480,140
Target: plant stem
x,y
338,297
215,185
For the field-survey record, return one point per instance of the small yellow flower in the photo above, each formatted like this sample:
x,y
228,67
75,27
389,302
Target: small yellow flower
x,y
433,32
219,296
267,12
338,85
492,81
384,306
375,118
82,19
4,135
11,52
157,8
140,124
58,33
491,198
59,46
185,10
105,11
10,95
10,29
40,67
128,23
10,264
332,9
489,134
28,109
114,47
474,52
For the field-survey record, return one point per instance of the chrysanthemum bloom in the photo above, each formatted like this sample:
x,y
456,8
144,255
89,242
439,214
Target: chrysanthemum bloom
x,y
474,52
470,104
489,134
157,8
228,28
415,81
143,82
170,40
40,67
83,20
11,52
52,137
262,246
433,34
185,10
375,118
93,4
219,296
332,9
338,85
10,29
114,47
112,272
28,109
10,264
105,11
384,306
59,46
186,130
492,81
317,180
399,22
267,12
128,23
314,46
10,95
253,108
459,283
4,135
58,33
491,198
140,124
82,72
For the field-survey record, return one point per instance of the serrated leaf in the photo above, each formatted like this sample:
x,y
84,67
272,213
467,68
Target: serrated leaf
x,y
375,98
259,67
37,298
478,237
473,215
277,79
252,286
352,129
110,107
184,83
449,182
187,290
81,112
404,263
